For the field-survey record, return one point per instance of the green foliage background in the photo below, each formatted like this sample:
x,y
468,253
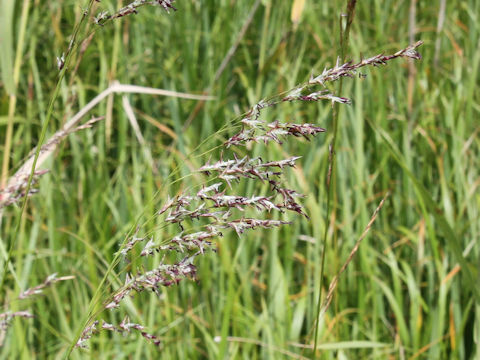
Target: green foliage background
x,y
403,295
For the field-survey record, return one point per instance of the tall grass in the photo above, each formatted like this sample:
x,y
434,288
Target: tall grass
x,y
405,294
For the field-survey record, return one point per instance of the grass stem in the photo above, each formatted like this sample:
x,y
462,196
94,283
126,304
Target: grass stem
x,y
330,183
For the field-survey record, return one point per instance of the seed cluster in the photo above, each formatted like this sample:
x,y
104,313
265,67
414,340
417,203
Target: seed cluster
x,y
132,8
7,317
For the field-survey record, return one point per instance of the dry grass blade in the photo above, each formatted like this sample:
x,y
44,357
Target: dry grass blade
x,y
334,282
138,133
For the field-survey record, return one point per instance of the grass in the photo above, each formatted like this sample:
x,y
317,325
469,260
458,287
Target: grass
x,y
405,295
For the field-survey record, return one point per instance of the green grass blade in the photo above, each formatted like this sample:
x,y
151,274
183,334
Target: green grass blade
x,y
441,221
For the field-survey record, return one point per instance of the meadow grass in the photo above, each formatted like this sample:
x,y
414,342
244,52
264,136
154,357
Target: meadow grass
x,y
410,131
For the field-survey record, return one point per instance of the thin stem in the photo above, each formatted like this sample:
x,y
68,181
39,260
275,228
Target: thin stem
x,y
344,36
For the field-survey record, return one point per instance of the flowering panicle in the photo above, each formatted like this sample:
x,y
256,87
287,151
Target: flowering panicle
x,y
131,8
131,243
258,131
195,241
7,317
296,95
349,69
210,202
13,193
162,275
179,210
243,224
125,327
49,281
239,202
246,167
288,196
215,204
87,333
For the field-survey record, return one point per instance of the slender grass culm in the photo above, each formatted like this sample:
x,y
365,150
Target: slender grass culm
x,y
344,36
265,214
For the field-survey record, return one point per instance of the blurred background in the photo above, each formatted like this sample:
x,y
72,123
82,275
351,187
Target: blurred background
x,y
411,130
